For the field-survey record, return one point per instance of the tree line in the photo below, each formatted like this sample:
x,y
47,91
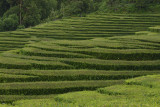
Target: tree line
x,y
24,13
17,14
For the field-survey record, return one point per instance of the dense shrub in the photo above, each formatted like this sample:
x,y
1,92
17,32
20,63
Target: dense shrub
x,y
128,6
4,6
45,7
21,27
155,8
1,25
77,7
10,23
73,8
12,10
32,15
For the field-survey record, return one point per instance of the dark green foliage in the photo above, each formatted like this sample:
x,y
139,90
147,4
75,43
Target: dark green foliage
x,y
12,10
45,7
32,15
29,12
13,2
33,12
1,25
144,4
4,6
75,7
128,6
21,27
10,23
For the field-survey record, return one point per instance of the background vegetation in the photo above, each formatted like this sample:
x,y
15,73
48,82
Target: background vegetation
x,y
24,13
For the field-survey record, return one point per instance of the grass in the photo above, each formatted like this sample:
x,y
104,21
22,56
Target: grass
x,y
155,29
82,54
117,95
150,81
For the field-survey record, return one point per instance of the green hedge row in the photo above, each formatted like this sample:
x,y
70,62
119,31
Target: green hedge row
x,y
71,75
34,66
12,43
154,29
7,80
80,65
121,56
52,54
53,88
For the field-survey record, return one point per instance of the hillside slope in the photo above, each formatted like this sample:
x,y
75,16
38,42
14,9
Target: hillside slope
x,y
77,54
141,91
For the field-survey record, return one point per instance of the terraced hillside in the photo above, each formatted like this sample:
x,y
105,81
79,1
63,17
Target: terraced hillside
x,y
79,53
141,91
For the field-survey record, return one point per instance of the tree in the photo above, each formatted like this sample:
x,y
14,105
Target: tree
x,y
1,25
4,6
13,2
31,14
20,11
10,11
59,3
10,23
45,7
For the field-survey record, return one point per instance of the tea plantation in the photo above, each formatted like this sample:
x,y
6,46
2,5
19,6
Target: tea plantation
x,y
106,57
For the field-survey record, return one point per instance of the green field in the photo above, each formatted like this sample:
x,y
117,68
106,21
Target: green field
x,y
105,57
137,92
